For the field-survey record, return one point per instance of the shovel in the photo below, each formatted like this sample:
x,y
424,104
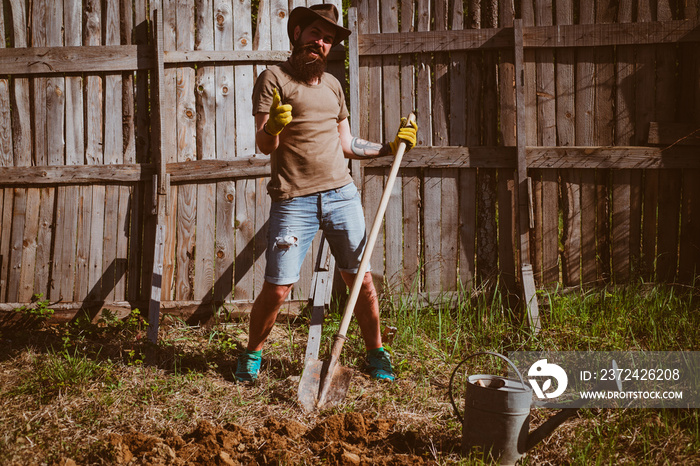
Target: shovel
x,y
324,384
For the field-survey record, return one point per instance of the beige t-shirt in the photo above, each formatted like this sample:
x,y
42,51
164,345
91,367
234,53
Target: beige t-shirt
x,y
309,158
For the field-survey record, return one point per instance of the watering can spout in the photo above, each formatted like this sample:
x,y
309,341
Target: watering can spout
x,y
548,427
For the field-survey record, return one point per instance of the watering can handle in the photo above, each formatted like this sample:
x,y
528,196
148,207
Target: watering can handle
x,y
491,353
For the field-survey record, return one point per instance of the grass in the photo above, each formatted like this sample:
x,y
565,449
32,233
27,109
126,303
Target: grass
x,y
63,388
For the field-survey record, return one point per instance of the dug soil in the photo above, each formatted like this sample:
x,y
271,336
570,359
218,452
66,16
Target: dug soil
x,y
340,439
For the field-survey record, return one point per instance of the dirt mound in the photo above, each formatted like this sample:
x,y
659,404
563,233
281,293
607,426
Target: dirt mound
x,y
340,439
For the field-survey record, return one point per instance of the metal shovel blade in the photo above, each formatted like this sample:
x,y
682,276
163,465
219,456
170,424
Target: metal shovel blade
x,y
311,394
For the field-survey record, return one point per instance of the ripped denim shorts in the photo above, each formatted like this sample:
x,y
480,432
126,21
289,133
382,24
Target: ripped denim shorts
x,y
294,223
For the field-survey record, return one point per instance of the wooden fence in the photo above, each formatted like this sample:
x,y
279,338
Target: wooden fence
x,y
611,103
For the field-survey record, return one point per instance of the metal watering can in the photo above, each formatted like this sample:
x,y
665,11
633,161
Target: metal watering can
x,y
496,418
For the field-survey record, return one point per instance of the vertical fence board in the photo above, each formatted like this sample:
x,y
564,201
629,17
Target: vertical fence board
x,y
186,151
487,234
170,148
669,180
206,149
546,106
18,147
55,148
645,98
585,135
45,221
225,150
94,201
506,199
604,124
244,278
5,235
448,103
75,154
113,154
409,179
6,158
128,240
689,110
566,136
391,113
373,182
621,228
75,151
143,226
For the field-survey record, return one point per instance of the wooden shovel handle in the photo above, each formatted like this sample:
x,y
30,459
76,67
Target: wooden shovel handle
x,y
374,232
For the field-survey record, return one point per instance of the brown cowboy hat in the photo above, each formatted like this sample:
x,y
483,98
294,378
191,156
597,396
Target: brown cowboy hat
x,y
303,16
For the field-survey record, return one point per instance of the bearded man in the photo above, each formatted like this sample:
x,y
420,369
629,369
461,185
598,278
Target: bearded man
x,y
302,121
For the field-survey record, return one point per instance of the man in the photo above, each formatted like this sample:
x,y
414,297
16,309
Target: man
x,y
301,119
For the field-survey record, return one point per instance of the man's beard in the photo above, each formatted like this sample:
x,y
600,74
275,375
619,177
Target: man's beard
x,y
308,68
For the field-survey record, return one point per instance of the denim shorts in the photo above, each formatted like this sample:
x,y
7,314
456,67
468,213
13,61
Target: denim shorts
x,y
293,225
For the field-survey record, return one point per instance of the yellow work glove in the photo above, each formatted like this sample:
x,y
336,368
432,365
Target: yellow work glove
x,y
407,133
280,115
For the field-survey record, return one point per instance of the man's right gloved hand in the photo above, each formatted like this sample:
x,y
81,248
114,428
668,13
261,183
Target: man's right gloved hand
x,y
280,116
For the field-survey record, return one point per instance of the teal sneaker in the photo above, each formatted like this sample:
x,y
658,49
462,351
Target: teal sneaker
x,y
248,366
380,365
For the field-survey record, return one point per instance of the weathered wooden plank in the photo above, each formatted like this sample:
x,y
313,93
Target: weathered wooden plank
x,y
622,228
566,136
575,35
93,204
669,180
546,110
16,249
689,110
17,150
529,298
186,116
487,193
373,180
29,246
6,151
606,11
75,152
506,194
220,56
111,58
225,150
529,115
142,226
113,153
6,159
614,157
5,235
645,100
585,135
445,82
75,58
275,39
391,113
206,150
129,210
55,149
169,147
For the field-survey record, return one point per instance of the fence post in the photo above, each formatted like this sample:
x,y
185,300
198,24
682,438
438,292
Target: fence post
x,y
161,185
521,181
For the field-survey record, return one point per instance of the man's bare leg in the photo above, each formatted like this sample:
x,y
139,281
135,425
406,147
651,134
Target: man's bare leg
x,y
367,314
367,310
264,313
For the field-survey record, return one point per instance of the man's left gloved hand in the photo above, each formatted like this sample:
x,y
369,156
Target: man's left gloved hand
x,y
407,133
